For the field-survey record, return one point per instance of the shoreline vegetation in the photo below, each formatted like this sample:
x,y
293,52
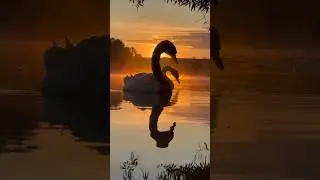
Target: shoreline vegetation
x,y
199,168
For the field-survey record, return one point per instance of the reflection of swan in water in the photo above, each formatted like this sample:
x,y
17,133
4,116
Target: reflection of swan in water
x,y
151,100
142,82
162,138
157,102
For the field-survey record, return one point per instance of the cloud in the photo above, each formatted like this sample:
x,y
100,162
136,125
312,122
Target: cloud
x,y
190,41
197,40
193,39
150,27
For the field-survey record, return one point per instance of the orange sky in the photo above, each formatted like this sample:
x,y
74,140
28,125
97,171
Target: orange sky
x,y
143,28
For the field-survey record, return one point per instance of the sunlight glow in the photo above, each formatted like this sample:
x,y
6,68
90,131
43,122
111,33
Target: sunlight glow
x,y
145,28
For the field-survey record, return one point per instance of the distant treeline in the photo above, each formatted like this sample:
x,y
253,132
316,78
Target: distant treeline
x,y
125,59
120,54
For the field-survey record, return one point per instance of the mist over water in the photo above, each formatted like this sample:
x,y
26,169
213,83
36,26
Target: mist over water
x,y
265,113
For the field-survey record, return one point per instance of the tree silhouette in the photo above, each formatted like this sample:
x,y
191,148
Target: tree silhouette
x,y
120,53
194,5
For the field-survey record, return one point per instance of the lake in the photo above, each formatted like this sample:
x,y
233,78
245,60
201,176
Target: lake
x,y
266,115
50,138
132,129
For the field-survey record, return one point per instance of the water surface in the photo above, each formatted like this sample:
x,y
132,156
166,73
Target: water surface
x,y
267,120
41,138
130,121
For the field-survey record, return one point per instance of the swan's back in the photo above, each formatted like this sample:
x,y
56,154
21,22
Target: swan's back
x,y
147,83
141,82
136,77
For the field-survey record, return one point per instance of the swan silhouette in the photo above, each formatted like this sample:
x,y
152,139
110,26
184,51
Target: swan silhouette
x,y
157,82
146,82
148,100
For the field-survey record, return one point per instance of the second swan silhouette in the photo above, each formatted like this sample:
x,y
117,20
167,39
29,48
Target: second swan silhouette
x,y
157,82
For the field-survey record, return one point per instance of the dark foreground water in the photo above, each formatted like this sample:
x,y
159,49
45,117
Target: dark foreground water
x,y
49,138
265,116
267,120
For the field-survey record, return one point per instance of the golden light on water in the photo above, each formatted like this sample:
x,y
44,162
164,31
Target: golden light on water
x,y
185,100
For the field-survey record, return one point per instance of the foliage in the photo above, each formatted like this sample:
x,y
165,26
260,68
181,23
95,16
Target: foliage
x,y
120,53
129,167
194,5
199,168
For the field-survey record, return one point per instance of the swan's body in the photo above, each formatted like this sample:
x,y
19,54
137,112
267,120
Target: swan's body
x,y
146,82
147,100
157,81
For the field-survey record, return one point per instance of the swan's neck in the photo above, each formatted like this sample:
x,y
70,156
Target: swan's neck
x,y
155,65
153,125
154,117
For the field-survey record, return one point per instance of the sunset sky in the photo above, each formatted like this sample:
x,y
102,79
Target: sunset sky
x,y
142,28
263,24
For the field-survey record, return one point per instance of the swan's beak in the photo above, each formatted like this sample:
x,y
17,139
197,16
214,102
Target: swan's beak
x,y
175,58
217,60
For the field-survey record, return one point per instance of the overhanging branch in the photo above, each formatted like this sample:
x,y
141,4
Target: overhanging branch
x,y
194,5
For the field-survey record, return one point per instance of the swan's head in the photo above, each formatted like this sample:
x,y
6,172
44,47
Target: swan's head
x,y
173,71
169,48
176,75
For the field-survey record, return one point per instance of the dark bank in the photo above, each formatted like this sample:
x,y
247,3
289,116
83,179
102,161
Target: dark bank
x,y
54,96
